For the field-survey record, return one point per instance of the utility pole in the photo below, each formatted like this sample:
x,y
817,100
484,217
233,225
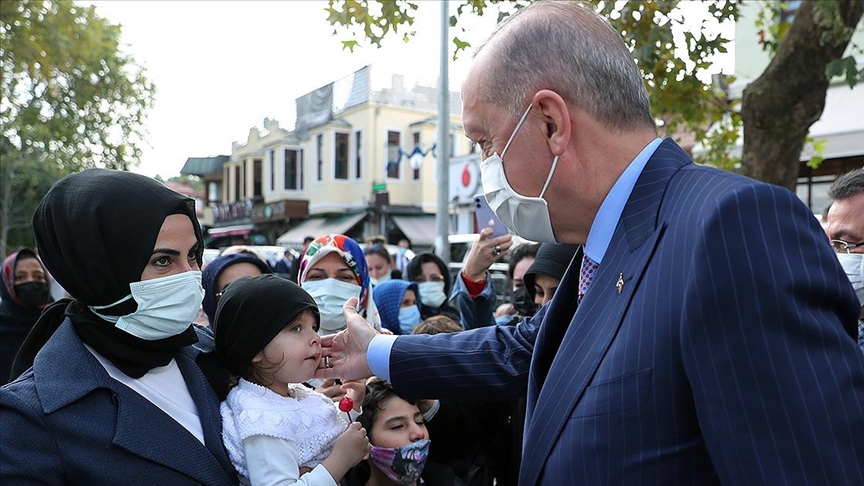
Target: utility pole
x,y
442,216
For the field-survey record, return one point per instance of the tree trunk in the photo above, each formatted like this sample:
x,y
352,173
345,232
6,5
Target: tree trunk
x,y
780,105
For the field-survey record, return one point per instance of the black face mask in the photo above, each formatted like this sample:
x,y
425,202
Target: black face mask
x,y
523,303
33,294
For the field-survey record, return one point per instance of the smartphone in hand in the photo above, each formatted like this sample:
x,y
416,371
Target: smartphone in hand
x,y
486,217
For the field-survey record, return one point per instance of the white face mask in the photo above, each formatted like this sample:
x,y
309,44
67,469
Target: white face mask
x,y
330,295
432,293
376,281
528,217
853,265
166,306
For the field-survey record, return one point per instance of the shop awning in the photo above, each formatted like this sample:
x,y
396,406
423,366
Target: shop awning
x,y
316,227
419,228
236,230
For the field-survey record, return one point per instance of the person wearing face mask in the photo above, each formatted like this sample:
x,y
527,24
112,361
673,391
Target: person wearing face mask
x,y
400,443
544,275
117,391
706,337
433,285
23,295
333,269
521,304
844,225
221,272
379,261
398,306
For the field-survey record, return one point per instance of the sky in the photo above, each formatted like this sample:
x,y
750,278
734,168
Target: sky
x,y
221,67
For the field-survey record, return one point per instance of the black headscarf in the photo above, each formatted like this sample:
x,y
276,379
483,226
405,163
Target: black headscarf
x,y
211,273
96,231
415,269
552,259
251,312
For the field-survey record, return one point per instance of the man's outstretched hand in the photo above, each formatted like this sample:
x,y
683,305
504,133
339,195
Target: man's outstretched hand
x,y
347,349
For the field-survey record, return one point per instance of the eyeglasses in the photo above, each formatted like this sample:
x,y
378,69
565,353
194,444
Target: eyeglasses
x,y
221,292
430,278
841,246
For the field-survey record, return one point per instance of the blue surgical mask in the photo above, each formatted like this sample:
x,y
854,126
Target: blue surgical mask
x,y
432,293
409,317
330,295
166,306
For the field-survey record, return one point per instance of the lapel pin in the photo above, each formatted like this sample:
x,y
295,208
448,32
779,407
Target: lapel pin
x,y
620,284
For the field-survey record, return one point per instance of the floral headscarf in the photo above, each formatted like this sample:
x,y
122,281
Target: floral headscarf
x,y
346,248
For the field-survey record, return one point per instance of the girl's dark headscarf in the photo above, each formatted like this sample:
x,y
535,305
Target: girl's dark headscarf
x,y
251,312
552,259
96,231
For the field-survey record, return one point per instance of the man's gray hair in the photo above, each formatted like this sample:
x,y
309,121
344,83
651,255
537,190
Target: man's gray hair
x,y
847,185
569,49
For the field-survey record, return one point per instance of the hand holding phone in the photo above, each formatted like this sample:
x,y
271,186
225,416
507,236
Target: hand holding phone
x,y
487,218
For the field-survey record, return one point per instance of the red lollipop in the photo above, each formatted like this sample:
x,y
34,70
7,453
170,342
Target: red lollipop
x,y
346,405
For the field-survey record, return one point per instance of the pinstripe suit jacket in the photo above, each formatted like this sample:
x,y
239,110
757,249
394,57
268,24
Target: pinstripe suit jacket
x,y
725,354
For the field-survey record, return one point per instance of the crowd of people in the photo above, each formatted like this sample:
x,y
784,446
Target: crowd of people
x,y
717,343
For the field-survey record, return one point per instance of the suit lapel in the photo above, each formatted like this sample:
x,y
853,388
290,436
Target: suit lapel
x,y
590,329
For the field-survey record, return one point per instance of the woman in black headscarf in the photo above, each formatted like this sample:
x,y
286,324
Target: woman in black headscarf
x,y
24,293
116,392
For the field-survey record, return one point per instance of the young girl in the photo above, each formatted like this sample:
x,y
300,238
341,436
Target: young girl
x,y
400,443
274,428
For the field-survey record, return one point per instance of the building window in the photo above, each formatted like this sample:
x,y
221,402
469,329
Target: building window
x,y
340,157
292,170
358,155
238,185
214,192
319,144
256,178
394,154
272,171
415,171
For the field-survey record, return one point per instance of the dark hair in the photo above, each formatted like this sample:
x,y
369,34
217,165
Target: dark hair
x,y
847,185
377,247
437,325
519,254
378,391
308,239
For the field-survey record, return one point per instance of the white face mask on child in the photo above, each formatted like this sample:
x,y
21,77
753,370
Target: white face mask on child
x,y
330,295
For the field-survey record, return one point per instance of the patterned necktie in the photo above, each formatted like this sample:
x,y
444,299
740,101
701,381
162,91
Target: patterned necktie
x,y
861,333
586,275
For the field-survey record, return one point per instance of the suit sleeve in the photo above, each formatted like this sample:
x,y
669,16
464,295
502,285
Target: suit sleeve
x,y
484,364
777,381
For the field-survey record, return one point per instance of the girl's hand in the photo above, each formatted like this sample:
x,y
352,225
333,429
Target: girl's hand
x,y
349,449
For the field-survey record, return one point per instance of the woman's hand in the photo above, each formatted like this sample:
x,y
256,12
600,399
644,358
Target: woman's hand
x,y
484,252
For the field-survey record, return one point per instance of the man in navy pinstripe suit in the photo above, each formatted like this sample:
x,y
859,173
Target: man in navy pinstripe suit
x,y
714,344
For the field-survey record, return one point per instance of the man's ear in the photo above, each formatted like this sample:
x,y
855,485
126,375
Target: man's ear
x,y
557,117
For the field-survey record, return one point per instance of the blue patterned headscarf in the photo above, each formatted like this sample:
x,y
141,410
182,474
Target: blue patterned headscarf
x,y
346,248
